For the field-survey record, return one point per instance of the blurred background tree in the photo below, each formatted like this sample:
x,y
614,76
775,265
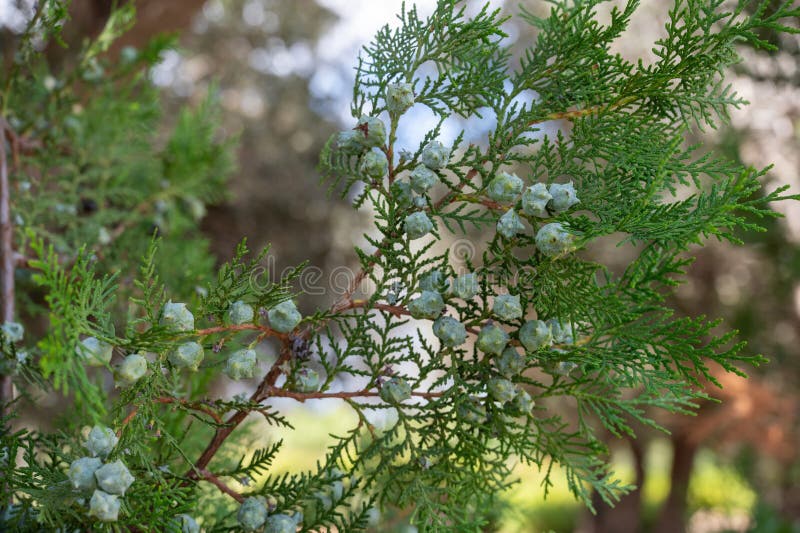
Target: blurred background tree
x,y
282,68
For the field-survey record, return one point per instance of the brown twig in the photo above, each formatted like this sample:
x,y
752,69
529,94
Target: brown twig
x,y
491,204
565,115
450,194
19,144
267,386
238,417
346,300
208,476
127,420
21,261
277,392
242,327
396,310
7,262
194,406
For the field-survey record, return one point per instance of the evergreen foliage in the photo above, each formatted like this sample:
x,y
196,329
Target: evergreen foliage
x,y
91,179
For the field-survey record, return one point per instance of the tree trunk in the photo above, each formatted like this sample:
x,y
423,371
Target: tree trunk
x,y
626,515
672,518
153,17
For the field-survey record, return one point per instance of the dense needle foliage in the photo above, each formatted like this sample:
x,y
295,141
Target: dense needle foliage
x,y
472,363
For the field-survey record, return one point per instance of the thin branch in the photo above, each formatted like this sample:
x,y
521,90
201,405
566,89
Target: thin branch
x,y
191,405
578,113
208,476
450,196
362,419
396,310
222,433
12,75
491,204
127,421
277,392
346,300
265,330
566,115
267,386
7,262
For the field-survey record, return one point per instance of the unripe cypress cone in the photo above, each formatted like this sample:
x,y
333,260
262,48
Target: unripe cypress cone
x,y
187,524
535,199
284,317
450,331
101,441
399,97
81,473
307,380
349,142
523,403
187,355
472,411
507,307
12,332
104,506
130,370
417,225
371,132
492,339
94,352
395,390
423,178
241,364
435,155
428,304
563,197
554,240
434,280
114,478
252,514
280,523
466,286
401,191
374,164
240,313
505,188
535,335
501,389
562,331
509,225
177,317
510,363
565,368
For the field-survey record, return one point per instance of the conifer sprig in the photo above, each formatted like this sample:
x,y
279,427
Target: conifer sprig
x,y
467,361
